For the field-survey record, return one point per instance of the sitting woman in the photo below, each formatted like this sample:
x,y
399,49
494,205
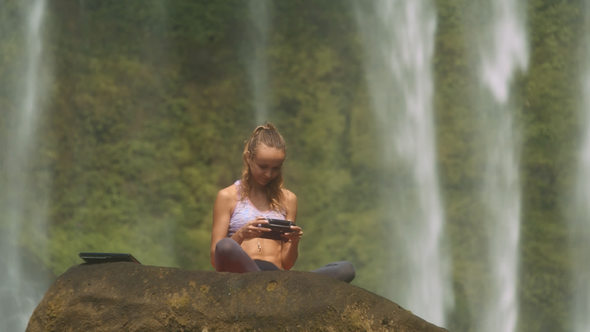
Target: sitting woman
x,y
238,242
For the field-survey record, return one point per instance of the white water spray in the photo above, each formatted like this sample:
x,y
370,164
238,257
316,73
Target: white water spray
x,y
257,63
580,226
503,51
398,38
18,293
580,212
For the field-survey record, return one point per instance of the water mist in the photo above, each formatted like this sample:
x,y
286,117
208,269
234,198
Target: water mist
x,y
580,211
257,60
23,210
398,39
502,47
580,226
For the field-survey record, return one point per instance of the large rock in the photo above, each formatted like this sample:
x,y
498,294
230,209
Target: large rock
x,y
133,297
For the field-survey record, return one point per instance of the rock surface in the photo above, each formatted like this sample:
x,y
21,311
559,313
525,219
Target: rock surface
x,y
133,297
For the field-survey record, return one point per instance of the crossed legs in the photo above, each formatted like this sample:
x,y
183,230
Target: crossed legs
x,y
230,257
342,270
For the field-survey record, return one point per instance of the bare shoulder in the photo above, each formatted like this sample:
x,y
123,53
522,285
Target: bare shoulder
x,y
228,195
290,203
289,195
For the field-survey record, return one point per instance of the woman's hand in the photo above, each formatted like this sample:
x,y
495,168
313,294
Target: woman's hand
x,y
293,236
252,229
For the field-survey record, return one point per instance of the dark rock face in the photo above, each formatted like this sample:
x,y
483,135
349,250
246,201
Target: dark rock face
x,y
133,297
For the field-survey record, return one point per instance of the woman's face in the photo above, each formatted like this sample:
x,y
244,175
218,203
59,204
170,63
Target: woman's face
x,y
266,164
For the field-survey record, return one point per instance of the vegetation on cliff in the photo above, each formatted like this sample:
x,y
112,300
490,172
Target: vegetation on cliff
x,y
150,102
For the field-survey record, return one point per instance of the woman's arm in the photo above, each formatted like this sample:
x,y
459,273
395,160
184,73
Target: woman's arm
x,y
290,249
221,215
222,209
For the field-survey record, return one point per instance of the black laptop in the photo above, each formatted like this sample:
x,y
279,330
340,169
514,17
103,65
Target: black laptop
x,y
106,257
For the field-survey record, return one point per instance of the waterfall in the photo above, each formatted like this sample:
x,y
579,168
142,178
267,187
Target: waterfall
x,y
580,225
580,211
257,59
502,47
398,38
21,207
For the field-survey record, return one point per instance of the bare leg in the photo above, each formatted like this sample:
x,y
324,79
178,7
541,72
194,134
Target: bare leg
x,y
342,270
230,257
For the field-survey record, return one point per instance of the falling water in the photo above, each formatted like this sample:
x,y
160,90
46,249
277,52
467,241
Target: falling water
x,y
502,52
580,226
398,38
580,218
18,291
257,60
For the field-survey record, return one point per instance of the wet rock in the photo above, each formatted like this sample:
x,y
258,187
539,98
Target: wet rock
x,y
133,297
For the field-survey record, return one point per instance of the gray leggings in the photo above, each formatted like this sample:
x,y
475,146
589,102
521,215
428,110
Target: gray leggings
x,y
230,257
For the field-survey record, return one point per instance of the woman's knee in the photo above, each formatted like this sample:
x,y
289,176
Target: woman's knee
x,y
225,247
342,270
346,271
230,257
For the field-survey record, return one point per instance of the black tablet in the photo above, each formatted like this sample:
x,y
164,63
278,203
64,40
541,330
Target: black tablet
x,y
279,225
106,257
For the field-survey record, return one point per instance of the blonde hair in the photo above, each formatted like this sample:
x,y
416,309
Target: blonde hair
x,y
268,135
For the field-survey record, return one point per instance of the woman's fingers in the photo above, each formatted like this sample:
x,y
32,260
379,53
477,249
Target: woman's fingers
x,y
255,228
295,234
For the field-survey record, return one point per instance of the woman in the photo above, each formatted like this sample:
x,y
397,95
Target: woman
x,y
237,238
